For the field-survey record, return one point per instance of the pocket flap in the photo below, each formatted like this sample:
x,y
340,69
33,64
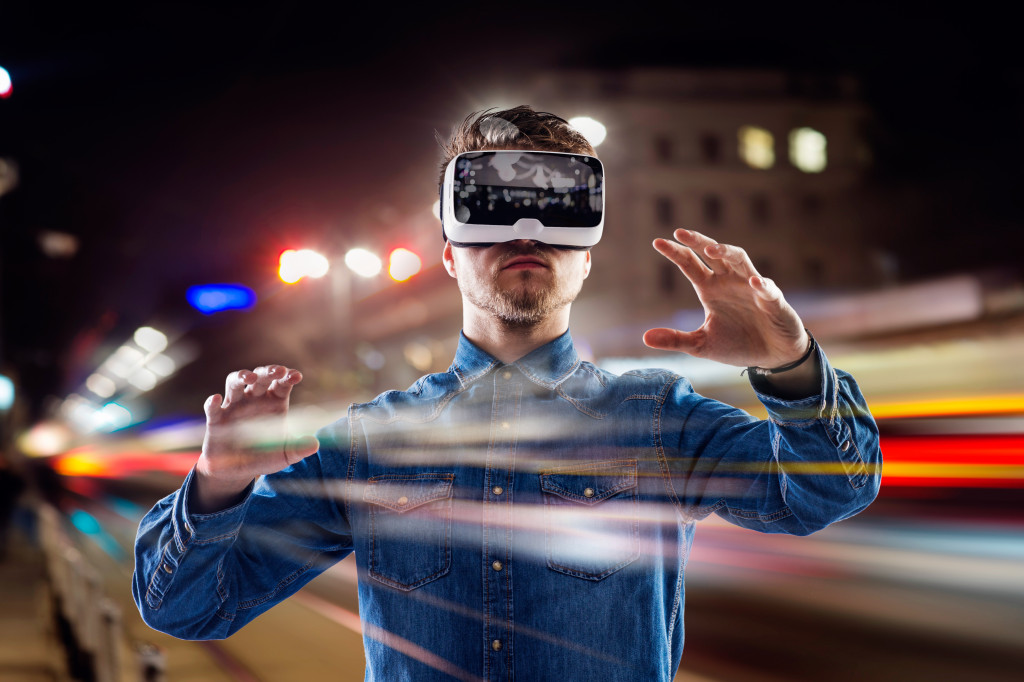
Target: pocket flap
x,y
402,492
590,483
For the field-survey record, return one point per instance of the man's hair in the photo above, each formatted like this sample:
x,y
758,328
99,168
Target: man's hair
x,y
516,128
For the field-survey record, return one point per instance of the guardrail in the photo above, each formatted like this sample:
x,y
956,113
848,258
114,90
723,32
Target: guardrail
x,y
88,621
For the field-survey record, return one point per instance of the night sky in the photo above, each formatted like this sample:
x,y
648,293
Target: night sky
x,y
181,143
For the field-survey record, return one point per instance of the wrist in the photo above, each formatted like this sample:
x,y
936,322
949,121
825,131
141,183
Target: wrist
x,y
812,345
210,493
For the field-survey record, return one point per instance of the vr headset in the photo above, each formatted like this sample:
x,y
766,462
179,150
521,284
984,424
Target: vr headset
x,y
500,196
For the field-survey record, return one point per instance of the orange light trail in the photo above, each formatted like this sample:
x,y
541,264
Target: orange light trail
x,y
989,405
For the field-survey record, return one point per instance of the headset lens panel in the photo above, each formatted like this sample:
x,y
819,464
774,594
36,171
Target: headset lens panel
x,y
501,188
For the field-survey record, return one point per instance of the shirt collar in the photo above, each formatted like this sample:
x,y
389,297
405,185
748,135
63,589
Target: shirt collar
x,y
549,365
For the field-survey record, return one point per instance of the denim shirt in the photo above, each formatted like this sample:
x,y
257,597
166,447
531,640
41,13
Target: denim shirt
x,y
525,521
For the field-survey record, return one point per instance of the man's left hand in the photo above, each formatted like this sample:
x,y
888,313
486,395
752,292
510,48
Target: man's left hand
x,y
747,321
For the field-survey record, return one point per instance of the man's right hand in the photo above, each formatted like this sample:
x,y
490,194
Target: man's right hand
x,y
245,436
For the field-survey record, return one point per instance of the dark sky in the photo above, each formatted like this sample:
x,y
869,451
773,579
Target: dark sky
x,y
178,141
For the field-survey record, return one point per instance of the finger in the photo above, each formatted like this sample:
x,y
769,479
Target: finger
x,y
212,408
766,289
235,385
684,257
675,340
264,377
282,388
733,256
300,449
695,240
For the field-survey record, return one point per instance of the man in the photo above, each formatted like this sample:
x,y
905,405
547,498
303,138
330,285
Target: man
x,y
524,515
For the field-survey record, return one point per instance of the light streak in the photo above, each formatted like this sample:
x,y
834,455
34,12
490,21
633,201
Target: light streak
x,y
350,620
954,461
1012,403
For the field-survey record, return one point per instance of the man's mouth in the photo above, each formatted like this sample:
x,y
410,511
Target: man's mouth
x,y
524,263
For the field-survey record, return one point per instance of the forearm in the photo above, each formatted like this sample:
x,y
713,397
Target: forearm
x,y
209,494
204,576
814,461
176,584
827,450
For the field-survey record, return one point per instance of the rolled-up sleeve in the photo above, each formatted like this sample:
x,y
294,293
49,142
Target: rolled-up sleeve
x,y
204,576
812,462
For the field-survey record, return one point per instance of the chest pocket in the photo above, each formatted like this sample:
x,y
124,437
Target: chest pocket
x,y
592,518
410,528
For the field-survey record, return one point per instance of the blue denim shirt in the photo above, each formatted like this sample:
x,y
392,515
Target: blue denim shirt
x,y
526,521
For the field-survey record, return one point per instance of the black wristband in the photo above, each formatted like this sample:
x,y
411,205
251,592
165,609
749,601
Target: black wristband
x,y
764,372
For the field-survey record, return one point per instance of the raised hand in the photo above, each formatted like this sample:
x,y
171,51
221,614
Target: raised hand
x,y
747,321
245,434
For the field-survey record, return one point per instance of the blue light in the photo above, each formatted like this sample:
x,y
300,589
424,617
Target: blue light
x,y
213,298
6,393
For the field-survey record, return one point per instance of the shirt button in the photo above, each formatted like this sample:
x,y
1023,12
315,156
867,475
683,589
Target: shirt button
x,y
167,569
497,490
845,446
497,566
589,492
506,375
496,645
505,425
403,500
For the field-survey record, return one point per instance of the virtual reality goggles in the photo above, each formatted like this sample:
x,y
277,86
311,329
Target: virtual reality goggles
x,y
500,196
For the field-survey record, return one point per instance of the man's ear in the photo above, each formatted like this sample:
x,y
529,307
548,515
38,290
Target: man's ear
x,y
448,259
586,264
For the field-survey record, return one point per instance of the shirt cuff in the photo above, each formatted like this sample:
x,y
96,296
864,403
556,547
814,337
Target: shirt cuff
x,y
210,527
800,409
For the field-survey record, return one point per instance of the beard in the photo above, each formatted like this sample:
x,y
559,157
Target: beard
x,y
527,302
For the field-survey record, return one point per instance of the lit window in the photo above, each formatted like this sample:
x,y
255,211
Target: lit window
x,y
807,150
757,147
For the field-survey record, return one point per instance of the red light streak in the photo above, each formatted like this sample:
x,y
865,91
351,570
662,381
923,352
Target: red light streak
x,y
950,461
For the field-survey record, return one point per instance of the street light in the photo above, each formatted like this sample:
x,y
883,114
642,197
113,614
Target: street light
x,y
593,130
294,265
5,83
364,263
403,264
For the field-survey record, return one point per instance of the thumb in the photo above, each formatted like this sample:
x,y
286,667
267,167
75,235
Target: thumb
x,y
672,339
300,448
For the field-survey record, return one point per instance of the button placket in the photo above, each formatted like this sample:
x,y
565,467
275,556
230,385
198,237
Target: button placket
x,y
497,537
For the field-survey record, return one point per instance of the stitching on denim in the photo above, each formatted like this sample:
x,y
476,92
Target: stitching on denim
x,y
373,564
579,406
745,514
285,582
765,518
590,369
442,402
798,424
553,383
677,599
222,590
835,398
659,449
783,479
587,575
218,538
603,464
860,466
353,445
640,396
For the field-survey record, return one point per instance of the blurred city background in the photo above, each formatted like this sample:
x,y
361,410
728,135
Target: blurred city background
x,y
187,191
